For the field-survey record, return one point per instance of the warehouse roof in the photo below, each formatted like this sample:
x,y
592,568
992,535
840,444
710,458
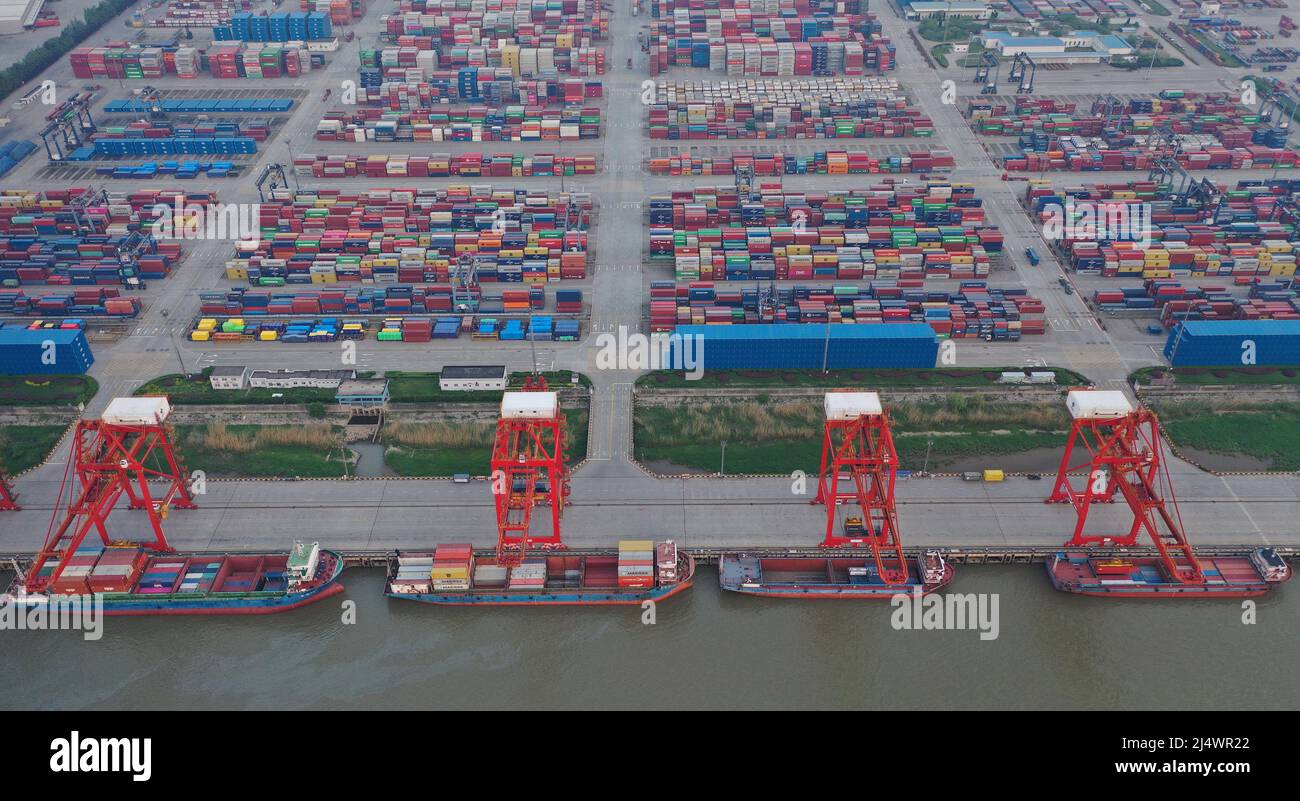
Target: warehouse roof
x,y
474,371
228,370
362,387
322,374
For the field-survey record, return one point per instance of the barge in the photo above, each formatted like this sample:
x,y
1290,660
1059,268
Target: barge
x,y
135,581
1146,577
452,575
830,577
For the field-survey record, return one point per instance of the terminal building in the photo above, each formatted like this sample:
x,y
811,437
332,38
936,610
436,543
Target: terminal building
x,y
1076,47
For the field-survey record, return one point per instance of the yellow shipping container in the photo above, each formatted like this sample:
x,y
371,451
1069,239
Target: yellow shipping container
x,y
994,475
200,336
636,545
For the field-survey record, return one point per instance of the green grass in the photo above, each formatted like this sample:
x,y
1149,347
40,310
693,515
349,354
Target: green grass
x,y
277,461
1269,432
46,390
783,437
874,379
477,461
940,54
24,447
1212,376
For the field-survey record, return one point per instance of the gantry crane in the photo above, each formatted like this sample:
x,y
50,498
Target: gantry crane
x,y
858,444
528,469
118,454
1124,456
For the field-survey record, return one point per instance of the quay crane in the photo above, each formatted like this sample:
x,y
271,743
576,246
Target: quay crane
x,y
118,454
528,469
1125,455
858,441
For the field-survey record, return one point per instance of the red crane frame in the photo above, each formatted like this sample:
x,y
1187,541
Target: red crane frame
x,y
110,460
863,447
8,498
1126,455
524,451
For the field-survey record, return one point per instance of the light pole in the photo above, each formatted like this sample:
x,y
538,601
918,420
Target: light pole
x,y
723,469
925,469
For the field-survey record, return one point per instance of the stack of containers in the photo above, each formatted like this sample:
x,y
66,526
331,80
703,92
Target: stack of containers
x,y
531,575
452,567
161,576
77,568
842,108
636,564
806,347
200,575
443,165
117,570
833,162
1198,343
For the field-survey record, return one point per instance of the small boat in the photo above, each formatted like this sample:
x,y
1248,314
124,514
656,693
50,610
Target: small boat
x,y
827,577
1146,577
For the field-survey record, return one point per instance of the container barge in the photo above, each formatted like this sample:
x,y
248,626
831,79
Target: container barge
x,y
1144,577
452,575
831,577
133,581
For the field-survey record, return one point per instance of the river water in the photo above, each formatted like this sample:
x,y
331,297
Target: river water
x,y
706,649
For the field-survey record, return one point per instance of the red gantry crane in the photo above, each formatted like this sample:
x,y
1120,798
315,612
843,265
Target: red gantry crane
x,y
859,445
528,469
1125,455
118,454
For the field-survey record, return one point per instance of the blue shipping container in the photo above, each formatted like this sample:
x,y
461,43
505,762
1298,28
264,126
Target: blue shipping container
x,y
779,347
47,351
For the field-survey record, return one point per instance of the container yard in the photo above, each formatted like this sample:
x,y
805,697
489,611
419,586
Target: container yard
x,y
561,303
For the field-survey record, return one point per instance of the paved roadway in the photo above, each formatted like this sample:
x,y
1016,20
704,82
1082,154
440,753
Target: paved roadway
x,y
612,496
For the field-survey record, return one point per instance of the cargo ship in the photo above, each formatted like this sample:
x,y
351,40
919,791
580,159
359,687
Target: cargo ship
x,y
1145,577
829,577
452,575
134,581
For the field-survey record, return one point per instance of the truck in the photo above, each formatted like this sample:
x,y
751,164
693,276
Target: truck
x,y
1032,255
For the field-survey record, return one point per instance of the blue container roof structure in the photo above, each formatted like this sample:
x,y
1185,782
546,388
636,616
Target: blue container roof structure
x,y
23,336
806,347
1234,343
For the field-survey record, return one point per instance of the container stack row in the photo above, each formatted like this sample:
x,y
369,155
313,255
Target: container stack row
x,y
832,108
889,232
419,235
444,165
1182,240
976,311
826,162
513,123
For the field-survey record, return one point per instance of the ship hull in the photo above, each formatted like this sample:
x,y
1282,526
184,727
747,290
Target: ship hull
x,y
128,605
784,579
557,597
1227,577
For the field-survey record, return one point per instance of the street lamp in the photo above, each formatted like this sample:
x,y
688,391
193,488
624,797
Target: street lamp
x,y
723,469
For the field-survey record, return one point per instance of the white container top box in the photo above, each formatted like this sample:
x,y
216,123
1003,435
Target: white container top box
x,y
137,411
530,406
851,405
1097,404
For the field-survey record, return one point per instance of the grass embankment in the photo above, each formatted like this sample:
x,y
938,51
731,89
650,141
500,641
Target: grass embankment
x,y
46,390
24,447
450,447
938,377
1268,432
1228,376
308,450
765,437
